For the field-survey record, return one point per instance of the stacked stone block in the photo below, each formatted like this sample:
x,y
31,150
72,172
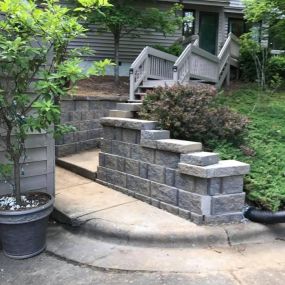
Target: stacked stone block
x,y
84,113
177,176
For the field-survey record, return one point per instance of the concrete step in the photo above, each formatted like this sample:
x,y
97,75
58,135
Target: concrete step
x,y
132,107
84,163
121,114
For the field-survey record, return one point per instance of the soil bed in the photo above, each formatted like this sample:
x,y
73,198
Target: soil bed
x,y
29,201
102,86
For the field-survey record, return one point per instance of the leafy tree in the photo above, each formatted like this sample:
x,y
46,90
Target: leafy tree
x,y
271,12
35,71
126,17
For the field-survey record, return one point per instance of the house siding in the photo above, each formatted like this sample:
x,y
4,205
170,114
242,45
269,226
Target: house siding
x,y
130,47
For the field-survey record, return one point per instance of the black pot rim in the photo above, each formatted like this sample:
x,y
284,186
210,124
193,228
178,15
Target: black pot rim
x,y
30,211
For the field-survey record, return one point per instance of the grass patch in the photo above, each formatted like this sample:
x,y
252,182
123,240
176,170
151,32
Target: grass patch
x,y
264,147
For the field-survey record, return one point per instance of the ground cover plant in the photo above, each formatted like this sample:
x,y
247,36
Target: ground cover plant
x,y
264,146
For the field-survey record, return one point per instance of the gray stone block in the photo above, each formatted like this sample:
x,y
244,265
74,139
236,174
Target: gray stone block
x,y
116,178
167,159
156,173
64,117
129,123
87,115
132,167
121,164
135,151
68,138
84,125
121,189
147,155
200,158
118,133
110,161
197,219
143,198
185,182
131,136
233,184
108,133
195,203
101,173
155,134
148,143
101,159
222,169
169,208
169,176
155,203
67,105
231,203
106,146
226,218
121,148
179,146
214,186
143,170
94,134
82,105
164,193
75,116
65,149
138,185
184,214
201,185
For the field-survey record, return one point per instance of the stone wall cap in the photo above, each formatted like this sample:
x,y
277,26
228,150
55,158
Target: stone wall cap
x,y
202,158
180,146
128,123
222,169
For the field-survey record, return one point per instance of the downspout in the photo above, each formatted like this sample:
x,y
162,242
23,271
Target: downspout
x,y
264,217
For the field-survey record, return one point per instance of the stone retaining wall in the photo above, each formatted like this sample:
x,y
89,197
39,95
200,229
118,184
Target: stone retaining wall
x,y
174,175
84,113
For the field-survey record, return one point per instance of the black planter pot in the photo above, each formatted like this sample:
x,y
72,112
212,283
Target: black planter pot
x,y
23,233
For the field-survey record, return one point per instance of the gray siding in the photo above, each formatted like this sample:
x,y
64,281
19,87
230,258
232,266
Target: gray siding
x,y
130,47
39,165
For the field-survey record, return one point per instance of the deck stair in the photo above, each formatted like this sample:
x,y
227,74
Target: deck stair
x,y
154,68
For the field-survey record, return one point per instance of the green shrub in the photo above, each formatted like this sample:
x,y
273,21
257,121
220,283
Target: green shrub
x,y
276,65
175,49
191,113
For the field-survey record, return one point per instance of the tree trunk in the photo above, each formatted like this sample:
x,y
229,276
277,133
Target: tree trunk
x,y
17,182
117,58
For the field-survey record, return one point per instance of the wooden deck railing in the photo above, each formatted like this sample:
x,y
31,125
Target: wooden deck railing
x,y
194,62
151,63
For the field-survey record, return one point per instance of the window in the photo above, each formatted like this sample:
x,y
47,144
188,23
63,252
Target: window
x,y
188,25
237,26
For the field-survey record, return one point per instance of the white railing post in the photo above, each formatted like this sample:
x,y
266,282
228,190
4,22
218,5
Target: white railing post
x,y
132,83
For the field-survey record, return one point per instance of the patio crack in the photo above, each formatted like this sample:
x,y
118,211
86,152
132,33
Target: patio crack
x,y
104,209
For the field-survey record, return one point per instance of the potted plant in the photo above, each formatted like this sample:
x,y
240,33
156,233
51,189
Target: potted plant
x,y
36,69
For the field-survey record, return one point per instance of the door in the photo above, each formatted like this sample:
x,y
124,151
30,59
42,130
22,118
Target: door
x,y
208,31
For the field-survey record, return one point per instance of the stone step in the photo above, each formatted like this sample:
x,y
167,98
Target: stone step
x,y
121,114
132,107
84,163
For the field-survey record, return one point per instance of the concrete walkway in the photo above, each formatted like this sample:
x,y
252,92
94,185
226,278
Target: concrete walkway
x,y
102,213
